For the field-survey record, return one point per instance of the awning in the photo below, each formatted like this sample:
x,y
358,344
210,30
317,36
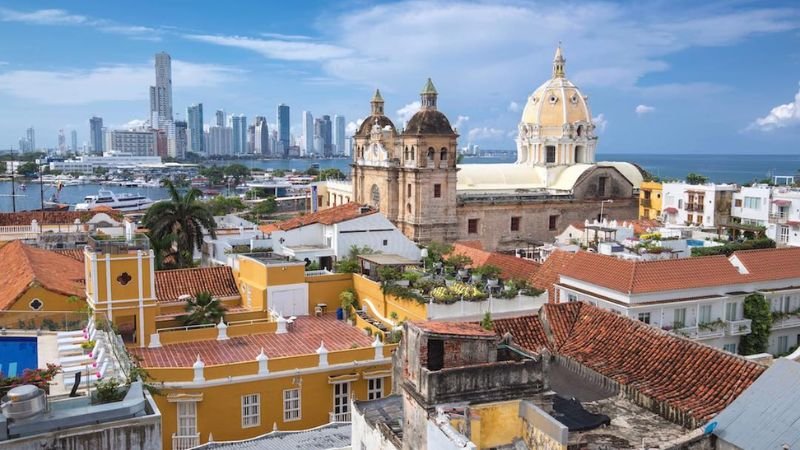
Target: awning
x,y
671,210
793,223
779,202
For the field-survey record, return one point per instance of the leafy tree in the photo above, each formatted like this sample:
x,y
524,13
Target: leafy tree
x,y
164,251
696,178
331,174
203,309
27,169
221,205
3,167
312,171
350,264
184,217
238,172
757,309
214,174
278,173
486,322
100,171
265,207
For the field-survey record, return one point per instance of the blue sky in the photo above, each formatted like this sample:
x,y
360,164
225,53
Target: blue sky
x,y
662,77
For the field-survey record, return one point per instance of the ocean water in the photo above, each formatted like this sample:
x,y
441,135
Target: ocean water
x,y
718,168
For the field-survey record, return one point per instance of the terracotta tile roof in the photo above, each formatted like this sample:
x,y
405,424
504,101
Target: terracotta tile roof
x,y
527,332
652,276
694,378
329,216
771,264
304,339
473,244
511,267
172,284
641,226
454,328
50,217
74,253
25,266
550,271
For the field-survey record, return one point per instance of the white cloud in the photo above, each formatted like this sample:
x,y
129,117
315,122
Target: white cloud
x,y
781,116
286,37
107,83
485,133
404,114
351,127
289,50
461,121
600,122
132,124
514,106
65,18
644,109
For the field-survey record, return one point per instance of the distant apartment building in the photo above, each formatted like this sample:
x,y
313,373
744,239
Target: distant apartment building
x,y
777,209
220,117
650,200
284,128
96,135
238,124
704,205
135,142
338,135
327,136
307,147
219,141
74,141
195,138
181,139
701,298
261,136
161,93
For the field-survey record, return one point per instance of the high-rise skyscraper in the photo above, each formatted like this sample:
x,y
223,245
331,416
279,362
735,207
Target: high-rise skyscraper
x,y
338,135
326,135
73,141
161,93
219,141
283,130
238,124
261,136
96,135
308,134
31,137
194,134
62,141
220,118
181,138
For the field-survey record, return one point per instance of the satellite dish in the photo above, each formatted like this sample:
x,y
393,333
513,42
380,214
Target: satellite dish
x,y
710,427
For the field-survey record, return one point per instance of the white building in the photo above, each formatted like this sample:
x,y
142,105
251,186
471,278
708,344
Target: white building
x,y
338,135
308,134
701,298
705,205
775,208
86,164
134,142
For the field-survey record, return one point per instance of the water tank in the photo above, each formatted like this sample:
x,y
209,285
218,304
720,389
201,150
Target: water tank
x,y
23,401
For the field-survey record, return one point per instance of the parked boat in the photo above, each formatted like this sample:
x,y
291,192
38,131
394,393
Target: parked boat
x,y
121,202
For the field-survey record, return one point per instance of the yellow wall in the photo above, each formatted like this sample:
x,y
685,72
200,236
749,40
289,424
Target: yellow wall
x,y
387,304
53,301
654,210
326,289
279,275
495,424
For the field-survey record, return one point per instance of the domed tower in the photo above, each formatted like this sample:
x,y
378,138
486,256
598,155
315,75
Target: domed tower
x,y
428,176
556,126
376,161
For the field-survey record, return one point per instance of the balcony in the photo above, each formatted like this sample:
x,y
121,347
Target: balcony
x,y
711,330
694,207
339,417
689,332
778,217
185,442
107,244
645,202
786,322
739,327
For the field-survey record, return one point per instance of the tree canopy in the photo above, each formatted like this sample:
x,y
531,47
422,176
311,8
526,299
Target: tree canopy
x,y
757,309
221,205
696,178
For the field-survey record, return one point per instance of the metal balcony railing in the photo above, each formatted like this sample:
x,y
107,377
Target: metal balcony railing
x,y
778,217
786,322
645,202
185,442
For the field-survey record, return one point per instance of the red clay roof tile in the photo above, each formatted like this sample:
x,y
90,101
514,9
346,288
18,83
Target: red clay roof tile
x,y
329,216
25,266
550,271
511,267
454,328
172,284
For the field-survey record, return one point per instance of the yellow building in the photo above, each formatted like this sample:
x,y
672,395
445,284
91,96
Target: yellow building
x,y
37,287
650,200
279,360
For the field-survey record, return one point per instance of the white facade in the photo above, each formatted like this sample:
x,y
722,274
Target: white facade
x,y
705,205
713,315
134,142
308,134
751,205
338,135
86,164
775,208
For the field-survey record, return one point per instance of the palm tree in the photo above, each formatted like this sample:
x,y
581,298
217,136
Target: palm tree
x,y
203,309
164,250
184,217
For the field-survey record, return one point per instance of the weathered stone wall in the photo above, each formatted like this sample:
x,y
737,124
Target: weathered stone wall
x,y
482,383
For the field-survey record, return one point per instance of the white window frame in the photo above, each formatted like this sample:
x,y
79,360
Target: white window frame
x,y
187,411
341,399
679,313
644,315
251,410
374,388
292,413
705,314
572,297
730,348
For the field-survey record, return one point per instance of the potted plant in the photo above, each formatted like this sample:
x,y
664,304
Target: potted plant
x,y
87,346
488,271
460,262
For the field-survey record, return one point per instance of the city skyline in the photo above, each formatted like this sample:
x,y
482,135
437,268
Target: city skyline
x,y
662,77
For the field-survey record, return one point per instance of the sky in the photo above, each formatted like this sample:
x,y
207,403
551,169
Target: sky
x,y
662,77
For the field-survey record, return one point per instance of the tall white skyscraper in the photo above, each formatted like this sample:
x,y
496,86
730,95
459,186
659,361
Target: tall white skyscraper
x,y
308,134
338,135
62,141
161,93
74,141
31,137
238,124
261,136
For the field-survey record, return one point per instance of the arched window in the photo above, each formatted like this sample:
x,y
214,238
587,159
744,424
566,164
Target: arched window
x,y
579,130
443,154
405,154
413,153
408,207
375,196
431,153
580,154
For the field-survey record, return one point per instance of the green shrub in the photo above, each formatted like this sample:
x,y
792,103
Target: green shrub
x,y
757,309
731,247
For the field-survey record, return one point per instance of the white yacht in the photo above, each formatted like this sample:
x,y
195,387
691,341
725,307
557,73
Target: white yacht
x,y
121,202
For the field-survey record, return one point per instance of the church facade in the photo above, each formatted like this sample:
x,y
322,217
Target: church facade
x,y
411,175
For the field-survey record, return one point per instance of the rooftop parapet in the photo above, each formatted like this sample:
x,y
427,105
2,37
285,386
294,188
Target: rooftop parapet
x,y
99,243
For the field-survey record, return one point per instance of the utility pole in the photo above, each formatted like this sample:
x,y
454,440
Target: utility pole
x,y
13,189
41,191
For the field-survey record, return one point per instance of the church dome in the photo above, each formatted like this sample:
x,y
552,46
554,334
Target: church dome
x,y
376,117
557,107
428,120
